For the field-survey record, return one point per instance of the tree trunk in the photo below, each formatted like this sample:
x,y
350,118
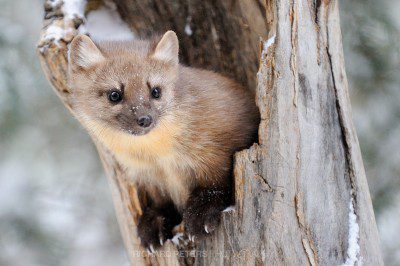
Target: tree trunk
x,y
301,192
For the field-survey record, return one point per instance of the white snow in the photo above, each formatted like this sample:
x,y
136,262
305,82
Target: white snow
x,y
102,24
269,42
188,29
229,209
74,8
71,9
353,249
266,45
54,32
106,24
176,238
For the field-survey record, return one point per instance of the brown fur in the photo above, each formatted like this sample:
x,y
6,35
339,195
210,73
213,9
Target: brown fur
x,y
201,119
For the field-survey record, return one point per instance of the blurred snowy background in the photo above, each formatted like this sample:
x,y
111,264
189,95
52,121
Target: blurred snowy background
x,y
55,205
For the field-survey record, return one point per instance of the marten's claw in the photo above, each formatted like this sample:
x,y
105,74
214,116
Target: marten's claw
x,y
203,212
201,221
206,229
153,230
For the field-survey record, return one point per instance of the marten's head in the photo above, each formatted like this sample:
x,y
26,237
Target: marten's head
x,y
126,86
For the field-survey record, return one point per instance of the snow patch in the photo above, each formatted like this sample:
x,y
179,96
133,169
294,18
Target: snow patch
x,y
176,238
106,24
61,29
266,45
56,33
74,9
353,249
269,42
102,24
188,29
229,209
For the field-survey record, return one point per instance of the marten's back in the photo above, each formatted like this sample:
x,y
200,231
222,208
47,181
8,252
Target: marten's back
x,y
221,117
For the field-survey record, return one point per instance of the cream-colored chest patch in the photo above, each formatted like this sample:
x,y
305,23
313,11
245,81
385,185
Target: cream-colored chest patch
x,y
152,158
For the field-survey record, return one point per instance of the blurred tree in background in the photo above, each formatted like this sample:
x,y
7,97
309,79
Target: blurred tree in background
x,y
371,36
55,206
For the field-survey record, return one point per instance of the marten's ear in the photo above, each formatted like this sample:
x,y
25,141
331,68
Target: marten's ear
x,y
168,48
84,53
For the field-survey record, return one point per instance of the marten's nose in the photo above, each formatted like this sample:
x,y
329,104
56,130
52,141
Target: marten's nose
x,y
145,121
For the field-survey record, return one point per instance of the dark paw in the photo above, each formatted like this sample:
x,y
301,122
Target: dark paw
x,y
154,229
201,221
203,212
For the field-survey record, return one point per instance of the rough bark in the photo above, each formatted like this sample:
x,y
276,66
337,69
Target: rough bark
x,y
293,189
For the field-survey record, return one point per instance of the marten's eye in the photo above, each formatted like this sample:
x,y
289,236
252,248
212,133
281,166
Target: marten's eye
x,y
115,96
156,92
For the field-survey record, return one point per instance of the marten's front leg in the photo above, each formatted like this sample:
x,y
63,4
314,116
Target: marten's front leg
x,y
203,210
156,224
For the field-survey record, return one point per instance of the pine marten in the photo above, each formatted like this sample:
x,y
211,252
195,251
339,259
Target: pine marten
x,y
173,128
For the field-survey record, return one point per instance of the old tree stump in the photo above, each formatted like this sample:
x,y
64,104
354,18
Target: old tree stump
x,y
301,193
